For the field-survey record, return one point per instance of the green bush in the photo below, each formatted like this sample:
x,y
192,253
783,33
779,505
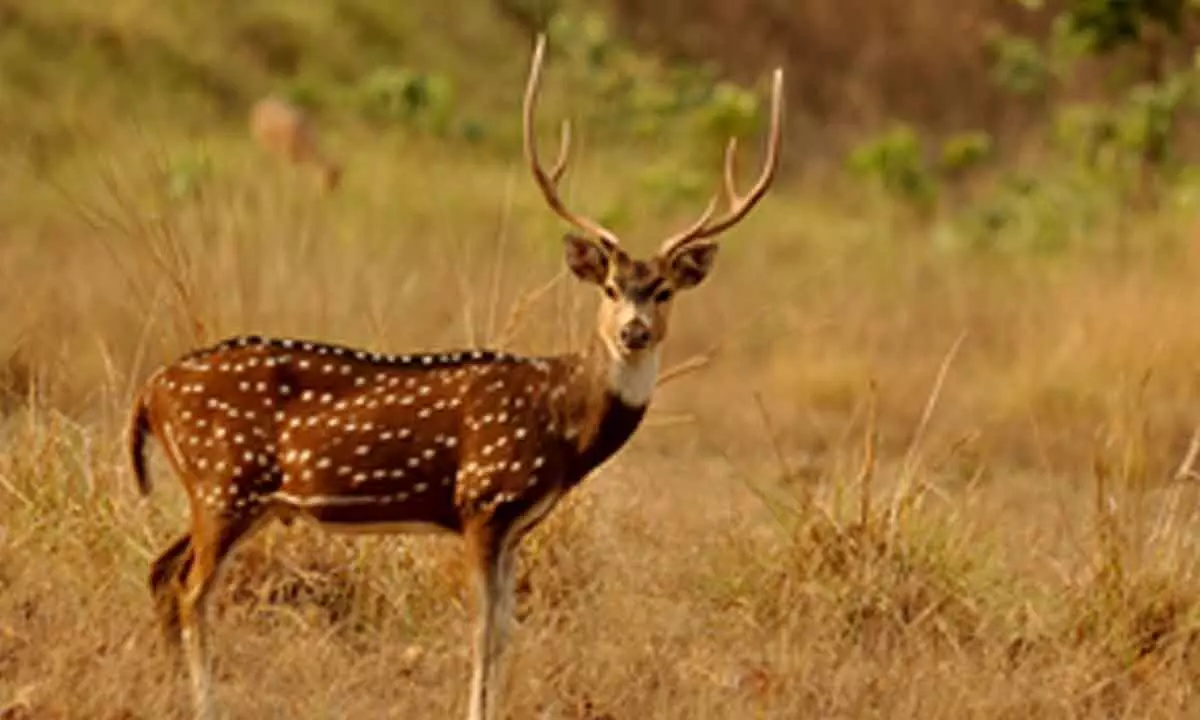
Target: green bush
x,y
1020,66
186,175
895,161
686,110
965,152
400,95
1110,24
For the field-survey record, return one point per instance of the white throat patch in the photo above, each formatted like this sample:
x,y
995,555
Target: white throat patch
x,y
633,379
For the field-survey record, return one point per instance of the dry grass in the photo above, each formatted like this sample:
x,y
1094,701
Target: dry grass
x,y
994,531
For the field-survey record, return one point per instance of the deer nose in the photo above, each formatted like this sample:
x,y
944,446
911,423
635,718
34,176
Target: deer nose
x,y
635,336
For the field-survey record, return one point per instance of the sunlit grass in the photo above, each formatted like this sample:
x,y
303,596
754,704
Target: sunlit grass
x,y
911,480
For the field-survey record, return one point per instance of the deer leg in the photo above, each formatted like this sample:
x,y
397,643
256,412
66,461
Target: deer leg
x,y
213,539
502,621
492,568
166,575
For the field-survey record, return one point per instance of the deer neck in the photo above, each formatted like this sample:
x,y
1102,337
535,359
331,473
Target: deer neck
x,y
604,402
630,380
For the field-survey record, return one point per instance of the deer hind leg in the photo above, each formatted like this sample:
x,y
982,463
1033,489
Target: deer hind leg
x,y
213,538
491,564
166,578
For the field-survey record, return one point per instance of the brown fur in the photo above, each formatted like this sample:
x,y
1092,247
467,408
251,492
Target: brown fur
x,y
477,443
285,130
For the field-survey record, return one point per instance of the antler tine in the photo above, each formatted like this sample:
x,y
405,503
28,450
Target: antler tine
x,y
731,169
692,230
739,205
548,183
564,153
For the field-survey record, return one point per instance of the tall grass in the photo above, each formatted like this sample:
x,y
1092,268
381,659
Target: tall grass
x,y
906,483
893,477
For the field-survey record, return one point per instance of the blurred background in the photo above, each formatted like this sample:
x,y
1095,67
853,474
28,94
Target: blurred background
x,y
928,445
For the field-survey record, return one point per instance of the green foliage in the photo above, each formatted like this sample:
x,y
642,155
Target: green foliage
x,y
533,15
304,92
964,152
670,184
895,161
1151,111
1110,24
1020,66
414,67
400,95
473,131
1083,133
186,175
585,38
1104,149
1137,125
728,111
1185,191
1033,67
1025,213
687,111
898,162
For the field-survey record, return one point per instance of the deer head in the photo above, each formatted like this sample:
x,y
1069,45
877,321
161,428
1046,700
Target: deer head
x,y
638,293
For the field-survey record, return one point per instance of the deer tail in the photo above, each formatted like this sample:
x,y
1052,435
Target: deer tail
x,y
139,430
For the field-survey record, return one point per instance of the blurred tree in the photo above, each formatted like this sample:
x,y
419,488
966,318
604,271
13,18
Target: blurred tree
x,y
1111,24
850,65
533,15
1149,88
401,95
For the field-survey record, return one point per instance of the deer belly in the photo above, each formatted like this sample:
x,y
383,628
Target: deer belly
x,y
374,509
402,527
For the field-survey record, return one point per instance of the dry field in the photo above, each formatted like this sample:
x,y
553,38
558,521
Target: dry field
x,y
908,483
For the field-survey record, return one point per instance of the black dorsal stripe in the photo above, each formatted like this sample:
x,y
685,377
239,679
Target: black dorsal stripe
x,y
431,360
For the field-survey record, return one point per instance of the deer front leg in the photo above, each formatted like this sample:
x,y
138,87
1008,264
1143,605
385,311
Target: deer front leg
x,y
491,565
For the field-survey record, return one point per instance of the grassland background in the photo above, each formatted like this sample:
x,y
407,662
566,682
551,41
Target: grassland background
x,y
1015,542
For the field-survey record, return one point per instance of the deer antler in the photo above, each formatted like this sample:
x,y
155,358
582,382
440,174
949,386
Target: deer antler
x,y
549,182
739,205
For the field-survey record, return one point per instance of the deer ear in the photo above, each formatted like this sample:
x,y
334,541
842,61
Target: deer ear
x,y
587,258
689,265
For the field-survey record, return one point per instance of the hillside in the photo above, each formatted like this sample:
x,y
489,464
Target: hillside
x,y
78,67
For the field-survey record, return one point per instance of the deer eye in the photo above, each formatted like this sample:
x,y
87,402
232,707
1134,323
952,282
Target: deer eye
x,y
663,295
611,292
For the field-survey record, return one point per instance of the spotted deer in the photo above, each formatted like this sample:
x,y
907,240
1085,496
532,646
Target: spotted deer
x,y
282,128
477,443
